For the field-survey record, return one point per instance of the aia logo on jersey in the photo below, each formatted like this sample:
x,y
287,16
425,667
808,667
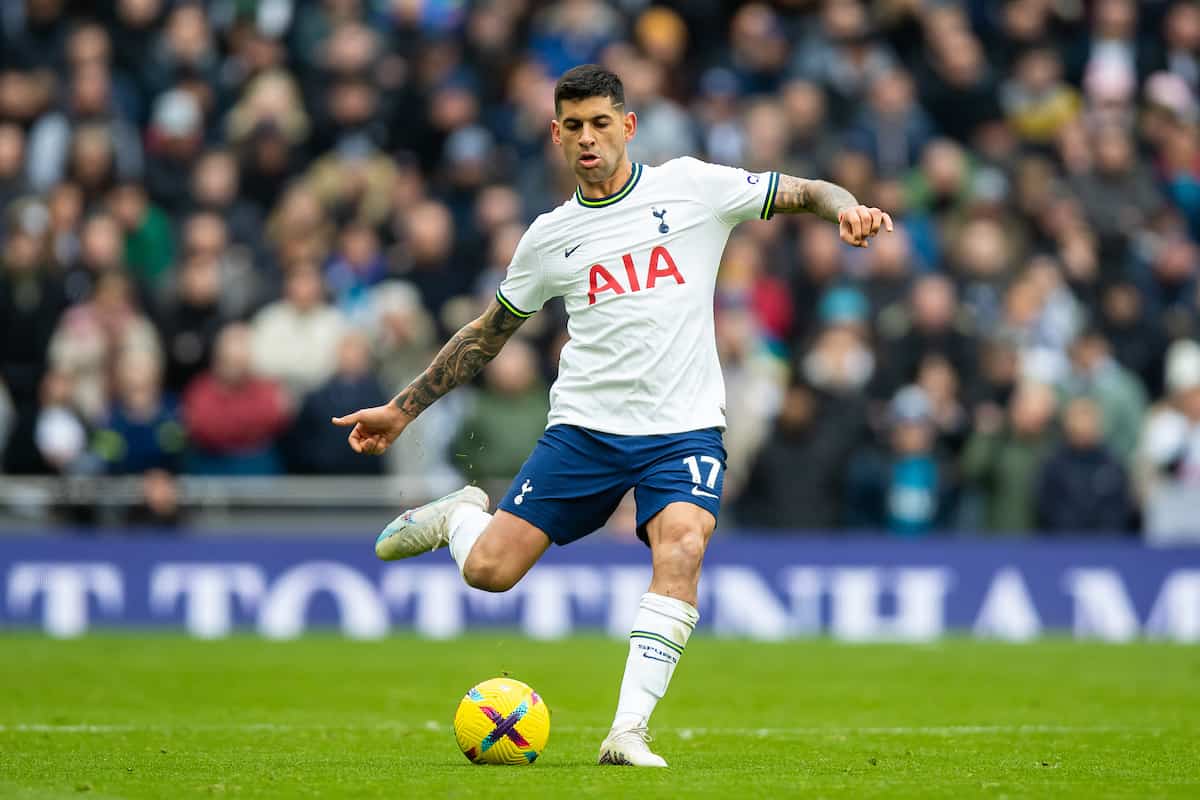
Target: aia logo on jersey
x,y
661,266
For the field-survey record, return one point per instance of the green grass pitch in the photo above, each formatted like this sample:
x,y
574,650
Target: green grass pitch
x,y
158,716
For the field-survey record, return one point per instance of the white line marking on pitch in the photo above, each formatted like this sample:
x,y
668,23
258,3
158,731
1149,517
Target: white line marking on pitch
x,y
683,733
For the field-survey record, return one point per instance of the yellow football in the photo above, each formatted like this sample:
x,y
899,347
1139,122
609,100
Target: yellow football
x,y
502,721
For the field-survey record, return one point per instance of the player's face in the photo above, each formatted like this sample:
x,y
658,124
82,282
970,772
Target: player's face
x,y
592,134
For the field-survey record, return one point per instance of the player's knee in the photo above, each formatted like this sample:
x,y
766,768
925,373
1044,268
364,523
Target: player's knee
x,y
683,547
488,575
691,548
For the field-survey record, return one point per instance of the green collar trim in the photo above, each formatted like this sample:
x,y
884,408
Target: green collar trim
x,y
616,197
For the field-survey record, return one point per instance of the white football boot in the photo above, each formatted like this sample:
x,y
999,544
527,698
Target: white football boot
x,y
425,528
628,748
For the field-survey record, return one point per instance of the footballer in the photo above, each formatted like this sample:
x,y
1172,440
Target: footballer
x,y
639,399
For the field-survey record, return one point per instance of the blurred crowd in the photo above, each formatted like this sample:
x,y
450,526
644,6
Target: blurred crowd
x,y
223,222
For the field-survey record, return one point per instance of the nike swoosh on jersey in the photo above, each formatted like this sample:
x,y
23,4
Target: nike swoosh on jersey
x,y
698,492
567,253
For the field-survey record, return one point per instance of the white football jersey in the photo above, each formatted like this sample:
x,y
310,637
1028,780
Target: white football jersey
x,y
637,271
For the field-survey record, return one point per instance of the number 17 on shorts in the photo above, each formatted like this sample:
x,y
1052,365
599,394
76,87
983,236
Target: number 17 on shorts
x,y
704,470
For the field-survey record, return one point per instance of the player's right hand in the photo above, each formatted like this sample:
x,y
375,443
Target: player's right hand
x,y
374,428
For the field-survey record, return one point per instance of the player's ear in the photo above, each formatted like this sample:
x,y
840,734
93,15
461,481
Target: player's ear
x,y
555,132
630,125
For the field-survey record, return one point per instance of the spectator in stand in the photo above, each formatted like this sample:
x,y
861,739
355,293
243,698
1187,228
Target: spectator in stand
x,y
143,431
959,84
1116,392
216,181
88,105
402,333
893,128
844,56
840,359
1082,487
1118,195
31,300
299,229
888,280
314,447
295,338
13,180
160,506
1167,464
941,383
813,142
1181,54
355,266
234,418
149,240
903,487
929,325
984,260
190,320
354,180
61,432
184,46
1037,102
243,287
815,428
998,373
430,263
755,379
134,27
65,203
1179,161
101,250
820,260
941,188
268,126
503,417
1138,338
91,337
1002,458
1166,276
570,33
1113,43
173,145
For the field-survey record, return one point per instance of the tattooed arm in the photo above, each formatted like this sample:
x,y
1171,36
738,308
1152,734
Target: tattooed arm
x,y
856,223
460,360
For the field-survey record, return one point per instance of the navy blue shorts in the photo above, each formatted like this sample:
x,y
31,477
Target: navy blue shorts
x,y
575,478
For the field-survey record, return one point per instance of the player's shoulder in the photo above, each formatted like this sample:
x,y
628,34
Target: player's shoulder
x,y
681,165
548,228
685,168
547,221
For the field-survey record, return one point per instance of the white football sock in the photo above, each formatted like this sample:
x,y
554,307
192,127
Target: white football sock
x,y
466,522
660,632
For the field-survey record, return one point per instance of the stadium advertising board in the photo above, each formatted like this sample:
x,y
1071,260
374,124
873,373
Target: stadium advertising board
x,y
851,589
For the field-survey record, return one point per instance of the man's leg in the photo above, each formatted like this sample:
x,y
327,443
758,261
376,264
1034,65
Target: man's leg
x,y
678,536
494,551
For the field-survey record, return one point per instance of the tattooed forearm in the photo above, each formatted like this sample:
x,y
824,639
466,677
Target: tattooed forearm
x,y
797,195
460,359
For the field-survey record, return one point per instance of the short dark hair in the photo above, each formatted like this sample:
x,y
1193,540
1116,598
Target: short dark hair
x,y
588,80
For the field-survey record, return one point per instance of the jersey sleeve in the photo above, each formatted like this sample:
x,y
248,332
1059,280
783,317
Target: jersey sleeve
x,y
523,290
734,195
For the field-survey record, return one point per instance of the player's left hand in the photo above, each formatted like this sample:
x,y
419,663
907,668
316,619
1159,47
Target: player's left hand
x,y
857,224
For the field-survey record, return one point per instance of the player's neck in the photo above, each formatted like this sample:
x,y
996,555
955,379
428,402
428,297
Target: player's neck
x,y
606,188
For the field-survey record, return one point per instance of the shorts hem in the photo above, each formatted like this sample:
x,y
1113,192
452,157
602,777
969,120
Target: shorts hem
x,y
666,501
